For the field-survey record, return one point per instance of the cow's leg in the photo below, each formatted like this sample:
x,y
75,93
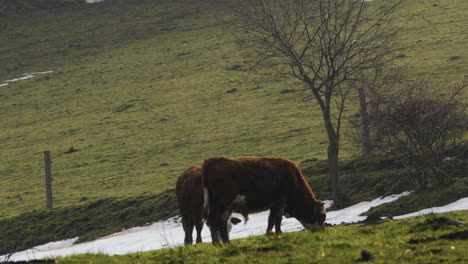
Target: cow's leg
x,y
271,221
223,226
278,220
199,227
198,221
214,235
275,217
187,224
213,223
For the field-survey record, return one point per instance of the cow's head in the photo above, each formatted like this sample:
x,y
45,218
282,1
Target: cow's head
x,y
315,221
232,221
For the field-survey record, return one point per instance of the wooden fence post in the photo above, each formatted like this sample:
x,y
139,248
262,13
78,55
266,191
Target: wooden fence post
x,y
48,178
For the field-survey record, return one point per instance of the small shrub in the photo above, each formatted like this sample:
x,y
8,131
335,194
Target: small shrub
x,y
419,124
435,222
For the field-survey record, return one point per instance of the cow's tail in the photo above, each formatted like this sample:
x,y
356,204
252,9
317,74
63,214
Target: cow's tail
x,y
206,202
206,193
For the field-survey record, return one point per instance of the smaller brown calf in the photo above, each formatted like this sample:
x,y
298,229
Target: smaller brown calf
x,y
189,194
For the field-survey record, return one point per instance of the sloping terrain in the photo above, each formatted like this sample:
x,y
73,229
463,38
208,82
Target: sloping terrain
x,y
140,87
425,239
146,88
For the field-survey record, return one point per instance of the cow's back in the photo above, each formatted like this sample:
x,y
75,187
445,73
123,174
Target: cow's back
x,y
260,181
189,190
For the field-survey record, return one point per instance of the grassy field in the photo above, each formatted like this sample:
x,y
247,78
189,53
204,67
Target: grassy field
x,y
434,41
140,88
425,239
132,108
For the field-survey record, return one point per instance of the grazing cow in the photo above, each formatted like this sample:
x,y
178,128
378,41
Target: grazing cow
x,y
190,202
248,185
189,194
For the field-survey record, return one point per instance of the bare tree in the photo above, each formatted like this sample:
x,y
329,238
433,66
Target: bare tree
x,y
326,44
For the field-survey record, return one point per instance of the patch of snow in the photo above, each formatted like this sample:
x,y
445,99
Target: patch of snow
x,y
257,223
56,245
93,1
28,76
353,213
461,204
169,233
3,84
162,234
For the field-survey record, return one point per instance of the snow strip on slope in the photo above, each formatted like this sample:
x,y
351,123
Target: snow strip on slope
x,y
461,204
169,233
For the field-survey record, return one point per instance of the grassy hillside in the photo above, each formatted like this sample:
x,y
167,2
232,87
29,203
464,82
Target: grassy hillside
x,y
140,88
426,239
134,104
8,8
434,42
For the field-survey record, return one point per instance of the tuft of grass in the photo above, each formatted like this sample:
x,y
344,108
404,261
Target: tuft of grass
x,y
435,222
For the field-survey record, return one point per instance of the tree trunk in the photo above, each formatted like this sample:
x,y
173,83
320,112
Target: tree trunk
x,y
333,148
333,151
366,141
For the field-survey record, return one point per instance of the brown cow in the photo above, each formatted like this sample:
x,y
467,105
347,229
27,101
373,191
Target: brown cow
x,y
257,184
189,194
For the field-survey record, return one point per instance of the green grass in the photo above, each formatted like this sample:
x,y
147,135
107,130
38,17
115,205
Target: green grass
x,y
425,239
176,83
169,65
140,87
434,40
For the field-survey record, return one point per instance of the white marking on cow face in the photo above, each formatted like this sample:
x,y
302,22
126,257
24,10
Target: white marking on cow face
x,y
323,210
322,216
